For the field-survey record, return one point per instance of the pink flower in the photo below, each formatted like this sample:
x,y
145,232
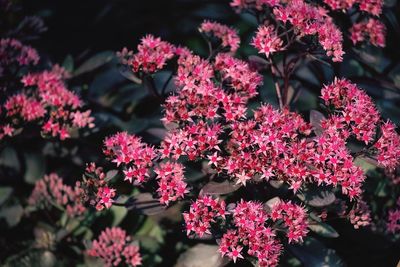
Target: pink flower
x,y
308,19
152,55
340,4
82,119
202,214
50,190
359,115
373,7
239,5
171,184
393,224
251,233
13,51
267,41
294,218
360,215
128,150
114,248
388,146
94,189
228,35
56,106
371,29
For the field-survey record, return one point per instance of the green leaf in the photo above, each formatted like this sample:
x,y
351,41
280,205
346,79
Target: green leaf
x,y
201,255
12,214
5,193
94,62
364,164
313,253
118,213
35,167
323,229
151,229
68,63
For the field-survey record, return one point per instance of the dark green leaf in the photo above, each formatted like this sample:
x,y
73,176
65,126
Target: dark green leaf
x,y
323,229
94,62
5,193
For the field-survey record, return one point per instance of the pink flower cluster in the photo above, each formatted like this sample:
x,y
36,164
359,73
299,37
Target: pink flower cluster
x,y
129,151
199,98
371,29
137,159
267,41
388,146
171,184
227,35
374,7
50,191
357,115
252,230
94,188
13,51
293,217
393,224
152,55
46,98
202,213
308,19
360,215
333,165
114,247
240,5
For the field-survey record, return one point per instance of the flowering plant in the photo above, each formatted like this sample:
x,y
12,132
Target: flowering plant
x,y
233,158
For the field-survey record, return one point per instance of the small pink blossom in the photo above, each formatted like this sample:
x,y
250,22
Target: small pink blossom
x,y
152,55
205,211
228,35
171,184
388,146
267,41
114,247
372,30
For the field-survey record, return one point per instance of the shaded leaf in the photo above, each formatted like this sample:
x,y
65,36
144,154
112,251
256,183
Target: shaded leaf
x,y
35,167
110,175
314,254
119,213
317,198
5,193
130,76
68,63
146,204
214,188
12,214
323,229
94,62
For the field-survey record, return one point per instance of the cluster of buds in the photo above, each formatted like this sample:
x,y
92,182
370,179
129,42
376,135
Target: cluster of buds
x,y
51,192
115,248
94,188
